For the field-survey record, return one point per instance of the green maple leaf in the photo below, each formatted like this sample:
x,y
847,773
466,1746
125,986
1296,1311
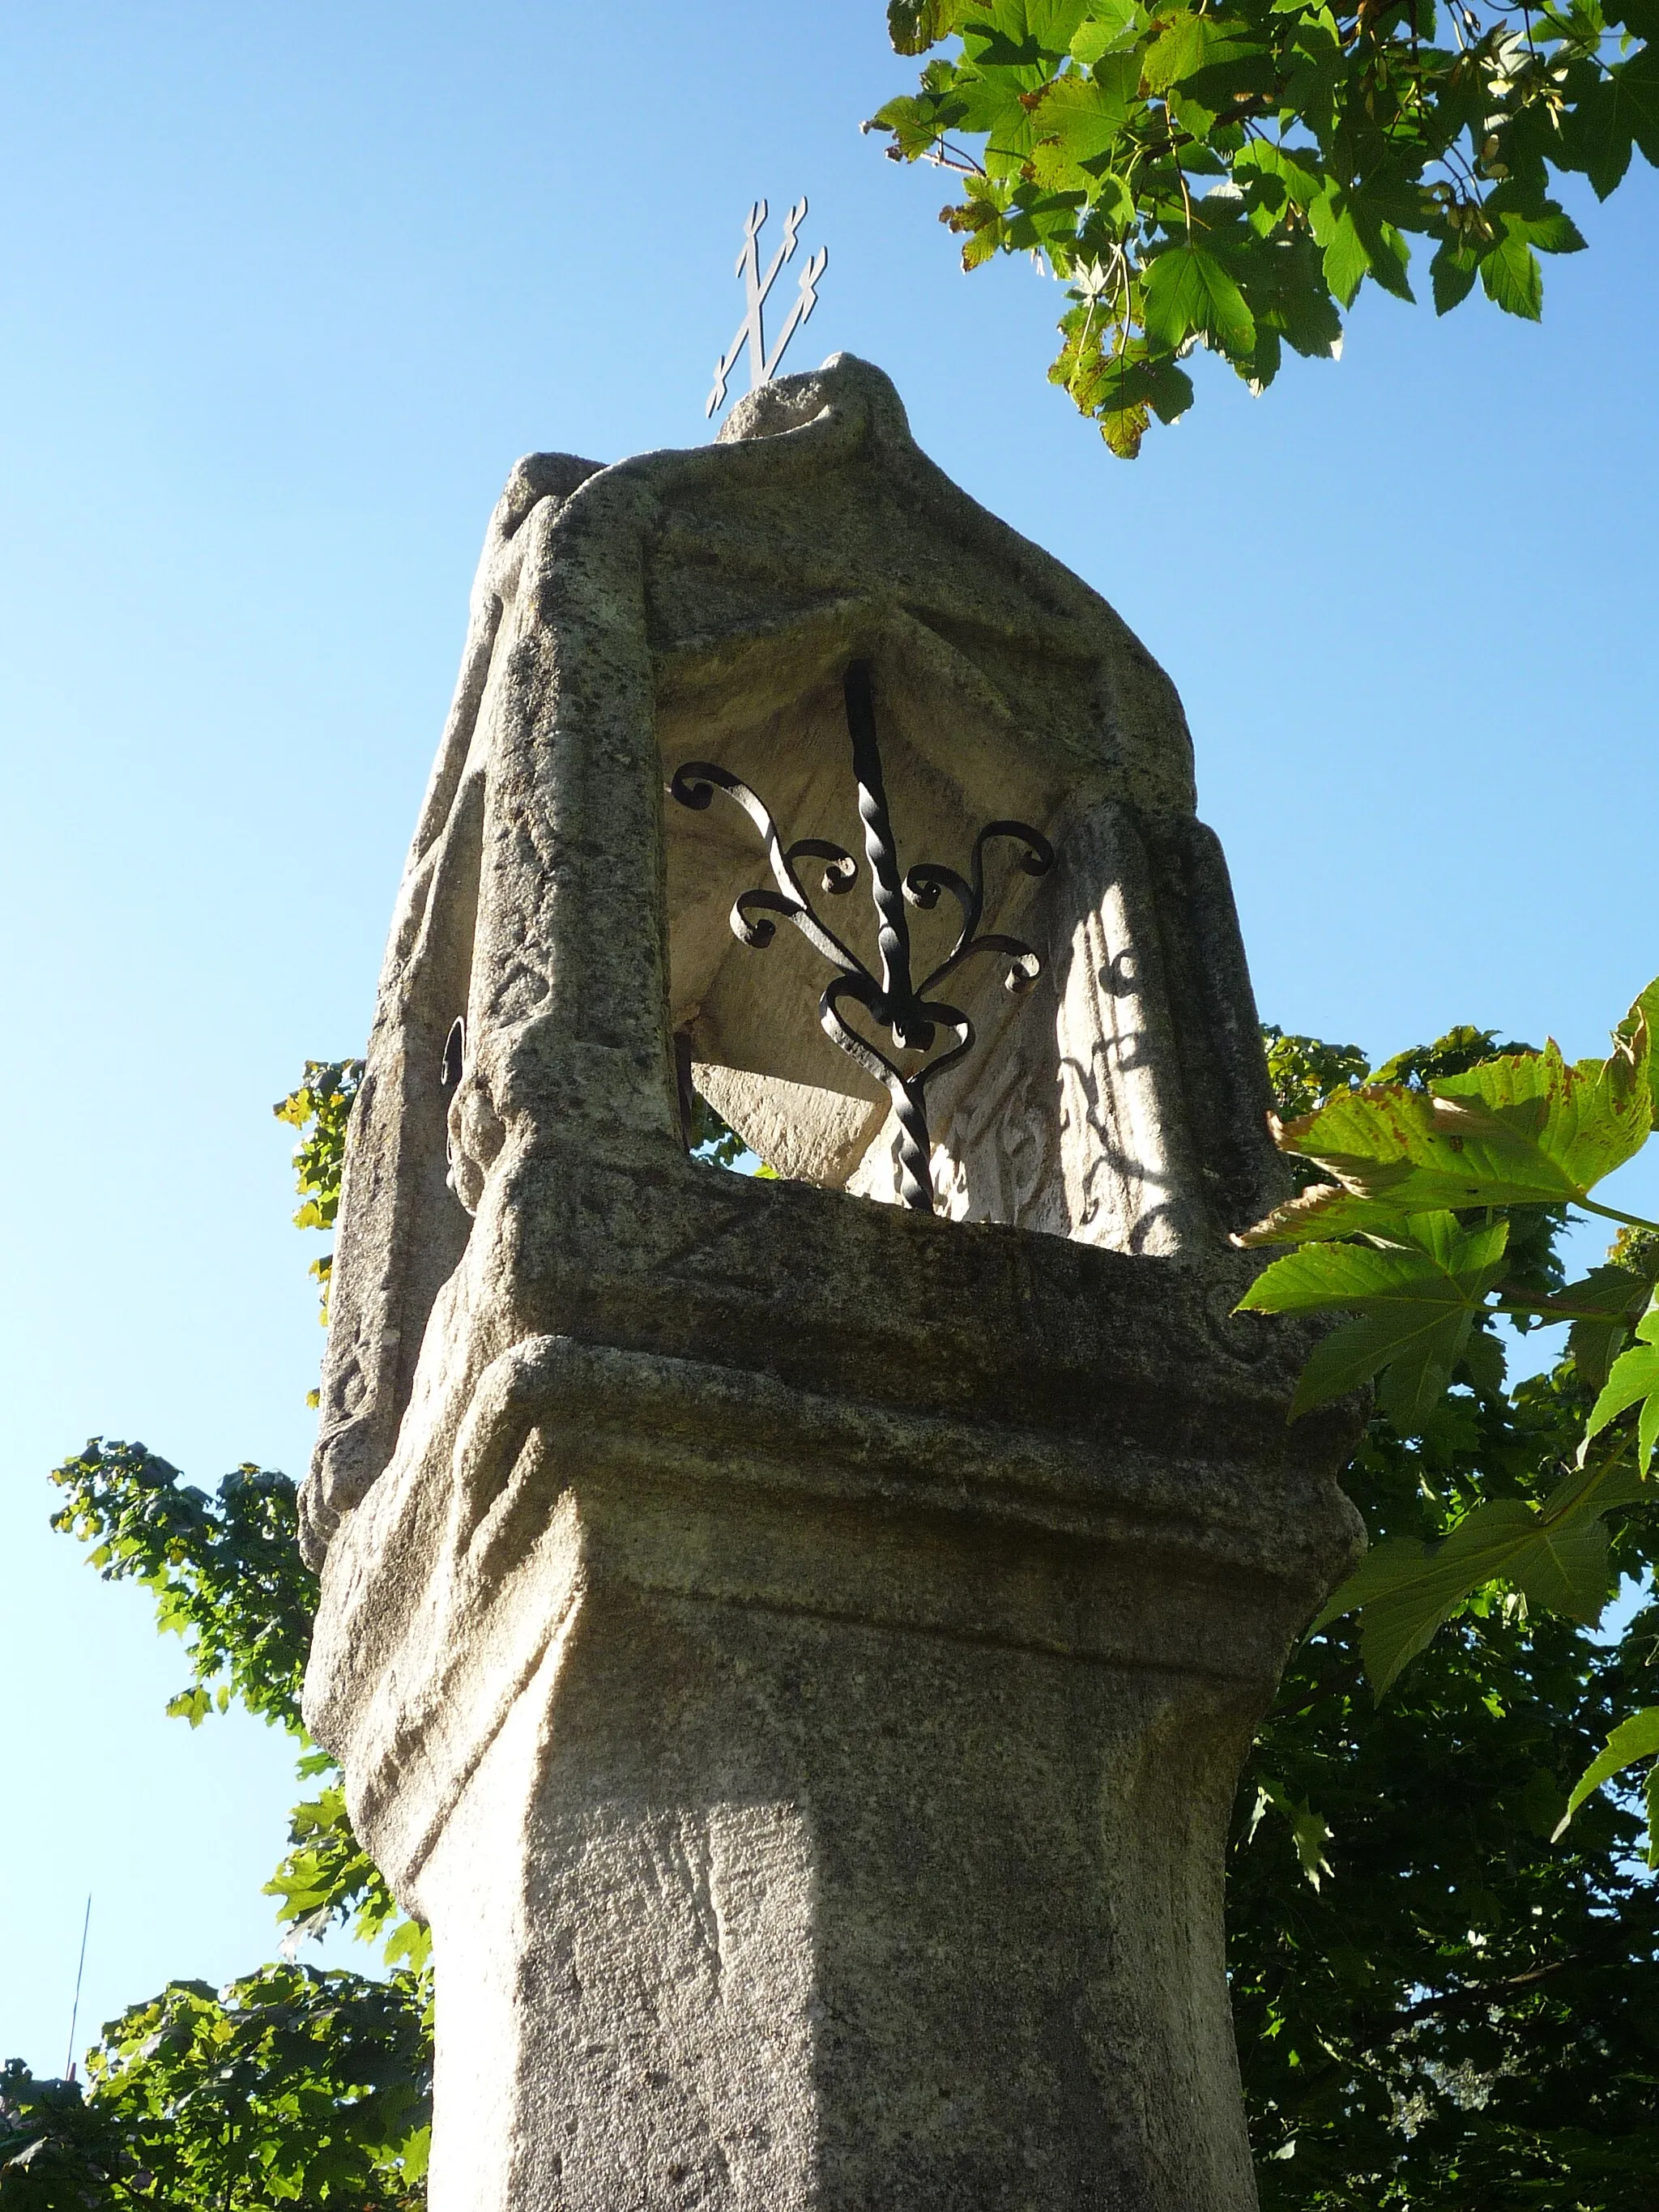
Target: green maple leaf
x,y
1634,1380
1512,277
1644,1014
1415,1301
913,25
1321,1212
1081,119
1556,1555
1187,290
1526,1129
1452,274
1605,1306
1600,130
1108,24
1560,1127
1636,1738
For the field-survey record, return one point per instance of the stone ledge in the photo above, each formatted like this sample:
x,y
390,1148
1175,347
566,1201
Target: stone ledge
x,y
579,1468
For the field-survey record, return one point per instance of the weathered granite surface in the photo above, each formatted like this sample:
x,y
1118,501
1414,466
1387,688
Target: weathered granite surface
x,y
797,1652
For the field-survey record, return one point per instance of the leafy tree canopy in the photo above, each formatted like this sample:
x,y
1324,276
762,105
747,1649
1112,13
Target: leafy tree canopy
x,y
291,2087
224,1570
1446,1190
1442,2000
1228,173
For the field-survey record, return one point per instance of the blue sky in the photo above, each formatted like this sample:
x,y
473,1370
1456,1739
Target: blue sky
x,y
282,295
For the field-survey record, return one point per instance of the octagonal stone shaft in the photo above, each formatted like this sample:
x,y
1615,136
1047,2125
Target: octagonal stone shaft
x,y
752,1904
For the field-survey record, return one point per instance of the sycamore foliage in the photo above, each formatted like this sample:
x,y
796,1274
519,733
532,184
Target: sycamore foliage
x,y
1438,2005
228,1579
289,2087
319,1106
57,2153
301,2084
1228,173
1426,1231
1459,2013
224,1572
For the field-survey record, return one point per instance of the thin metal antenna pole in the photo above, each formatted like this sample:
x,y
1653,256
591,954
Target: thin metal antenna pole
x,y
75,2009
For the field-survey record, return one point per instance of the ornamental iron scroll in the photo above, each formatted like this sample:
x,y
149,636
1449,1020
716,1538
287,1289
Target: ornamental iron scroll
x,y
905,1010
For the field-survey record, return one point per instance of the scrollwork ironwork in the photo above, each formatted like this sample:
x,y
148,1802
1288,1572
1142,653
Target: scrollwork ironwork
x,y
908,1012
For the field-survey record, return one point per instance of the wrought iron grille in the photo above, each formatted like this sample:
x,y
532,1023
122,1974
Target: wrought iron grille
x,y
905,1009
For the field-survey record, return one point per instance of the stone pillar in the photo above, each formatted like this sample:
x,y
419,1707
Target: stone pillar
x,y
797,1652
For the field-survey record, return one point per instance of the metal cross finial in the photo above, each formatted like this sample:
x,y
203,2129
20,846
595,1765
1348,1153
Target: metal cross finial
x,y
752,331
892,1002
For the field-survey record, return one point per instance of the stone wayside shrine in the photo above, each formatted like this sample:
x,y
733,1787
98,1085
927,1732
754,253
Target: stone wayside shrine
x,y
795,1640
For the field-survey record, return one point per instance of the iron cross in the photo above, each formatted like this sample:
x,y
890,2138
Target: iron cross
x,y
752,331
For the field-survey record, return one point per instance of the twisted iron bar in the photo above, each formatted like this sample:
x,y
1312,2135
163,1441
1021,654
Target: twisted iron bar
x,y
911,1017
